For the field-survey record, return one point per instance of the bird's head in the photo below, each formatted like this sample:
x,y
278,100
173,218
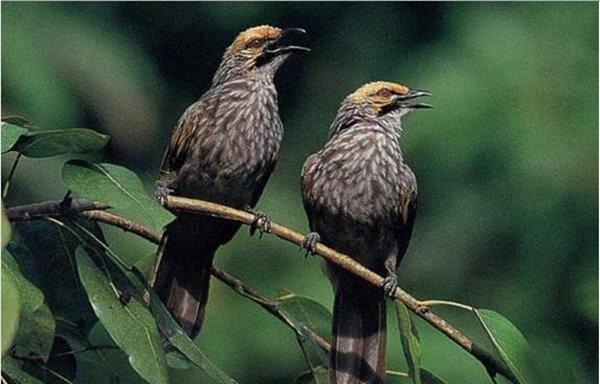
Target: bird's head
x,y
380,101
381,98
260,50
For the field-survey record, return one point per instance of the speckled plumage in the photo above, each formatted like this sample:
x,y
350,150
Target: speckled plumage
x,y
223,150
360,197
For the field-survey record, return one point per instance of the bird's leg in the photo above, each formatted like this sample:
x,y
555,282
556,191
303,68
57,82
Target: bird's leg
x,y
309,244
390,282
262,221
162,191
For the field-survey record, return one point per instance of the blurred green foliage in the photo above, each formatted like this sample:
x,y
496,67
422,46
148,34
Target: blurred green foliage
x,y
507,161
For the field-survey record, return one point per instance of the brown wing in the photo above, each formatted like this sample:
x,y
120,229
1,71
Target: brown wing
x,y
407,210
306,183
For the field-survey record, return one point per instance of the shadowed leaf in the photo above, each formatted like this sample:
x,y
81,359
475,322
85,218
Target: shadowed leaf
x,y
35,335
11,309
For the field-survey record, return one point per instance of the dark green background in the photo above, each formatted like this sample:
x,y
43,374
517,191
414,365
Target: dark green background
x,y
506,161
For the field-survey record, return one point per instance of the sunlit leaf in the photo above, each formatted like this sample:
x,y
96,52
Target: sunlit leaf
x,y
117,186
58,142
10,133
130,324
4,227
35,335
508,341
183,343
410,342
11,309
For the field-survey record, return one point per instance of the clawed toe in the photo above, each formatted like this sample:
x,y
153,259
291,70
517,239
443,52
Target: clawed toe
x,y
422,309
389,285
162,192
309,244
262,223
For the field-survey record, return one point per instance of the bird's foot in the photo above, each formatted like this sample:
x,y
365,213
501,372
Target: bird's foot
x,y
309,244
162,191
262,222
389,285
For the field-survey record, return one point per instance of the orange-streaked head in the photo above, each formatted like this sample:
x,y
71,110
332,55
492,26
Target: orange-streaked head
x,y
379,102
384,97
261,45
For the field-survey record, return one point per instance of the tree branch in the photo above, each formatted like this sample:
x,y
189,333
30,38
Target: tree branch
x,y
181,204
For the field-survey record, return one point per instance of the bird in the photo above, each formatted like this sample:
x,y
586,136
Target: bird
x,y
223,149
360,198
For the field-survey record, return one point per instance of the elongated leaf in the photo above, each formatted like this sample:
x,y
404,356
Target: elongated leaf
x,y
410,342
49,263
35,335
58,142
183,343
11,309
316,376
508,341
308,317
5,227
307,311
427,377
13,369
130,325
118,187
10,133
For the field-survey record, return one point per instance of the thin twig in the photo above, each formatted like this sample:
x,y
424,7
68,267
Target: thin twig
x,y
181,204
52,208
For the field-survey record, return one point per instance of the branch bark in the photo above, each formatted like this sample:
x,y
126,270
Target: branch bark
x,y
180,204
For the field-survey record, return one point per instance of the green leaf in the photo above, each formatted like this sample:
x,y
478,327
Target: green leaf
x,y
46,257
410,342
318,375
183,343
308,317
35,335
14,369
307,311
177,360
508,341
5,227
11,309
427,377
10,133
59,142
130,325
117,186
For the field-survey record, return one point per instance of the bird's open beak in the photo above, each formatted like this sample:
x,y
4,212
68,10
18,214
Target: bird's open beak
x,y
285,42
404,101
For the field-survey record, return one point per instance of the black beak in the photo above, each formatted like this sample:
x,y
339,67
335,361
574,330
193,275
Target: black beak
x,y
403,101
285,42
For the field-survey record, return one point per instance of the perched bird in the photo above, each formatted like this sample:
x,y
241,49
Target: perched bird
x,y
360,198
223,149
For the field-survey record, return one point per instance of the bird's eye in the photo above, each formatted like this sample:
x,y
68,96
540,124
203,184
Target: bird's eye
x,y
256,43
384,93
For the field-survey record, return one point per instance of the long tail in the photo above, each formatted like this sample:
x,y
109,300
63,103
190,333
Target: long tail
x,y
182,274
358,345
